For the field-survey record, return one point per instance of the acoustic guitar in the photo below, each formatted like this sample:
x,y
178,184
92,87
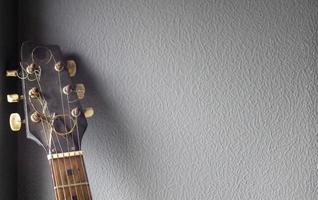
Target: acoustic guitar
x,y
53,115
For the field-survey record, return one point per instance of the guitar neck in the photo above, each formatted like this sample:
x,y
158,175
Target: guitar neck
x,y
69,176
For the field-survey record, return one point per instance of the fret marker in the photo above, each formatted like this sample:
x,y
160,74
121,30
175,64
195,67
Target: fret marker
x,y
74,197
69,172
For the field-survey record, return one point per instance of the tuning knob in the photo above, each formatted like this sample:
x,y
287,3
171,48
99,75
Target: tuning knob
x,y
34,92
80,90
15,122
89,112
71,67
14,98
11,73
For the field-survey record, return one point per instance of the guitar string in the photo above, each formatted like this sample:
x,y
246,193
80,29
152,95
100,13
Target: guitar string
x,y
78,141
51,162
54,146
64,115
53,170
70,162
82,158
82,163
67,143
66,140
84,170
40,88
53,125
37,78
34,109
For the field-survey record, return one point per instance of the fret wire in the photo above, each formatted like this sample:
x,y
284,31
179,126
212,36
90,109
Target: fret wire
x,y
81,178
70,185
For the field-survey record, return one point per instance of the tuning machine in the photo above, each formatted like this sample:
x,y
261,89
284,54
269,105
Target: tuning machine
x,y
15,122
79,89
36,117
32,68
88,112
34,92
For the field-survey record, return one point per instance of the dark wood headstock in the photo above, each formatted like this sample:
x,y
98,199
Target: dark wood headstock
x,y
54,117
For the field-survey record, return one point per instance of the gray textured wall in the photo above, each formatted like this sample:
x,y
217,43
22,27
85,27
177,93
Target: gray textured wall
x,y
194,99
8,52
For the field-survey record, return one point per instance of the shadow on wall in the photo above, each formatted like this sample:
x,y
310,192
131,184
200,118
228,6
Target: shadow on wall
x,y
8,58
313,105
113,147
109,148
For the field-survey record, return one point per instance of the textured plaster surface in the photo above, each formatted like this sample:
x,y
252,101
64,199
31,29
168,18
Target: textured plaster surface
x,y
194,99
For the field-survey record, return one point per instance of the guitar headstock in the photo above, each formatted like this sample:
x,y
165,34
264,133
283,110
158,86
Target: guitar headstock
x,y
54,117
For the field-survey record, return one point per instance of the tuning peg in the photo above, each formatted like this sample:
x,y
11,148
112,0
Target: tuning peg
x,y
80,90
89,112
11,73
14,98
15,122
34,92
71,67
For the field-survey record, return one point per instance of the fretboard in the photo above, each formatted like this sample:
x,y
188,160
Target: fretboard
x,y
69,176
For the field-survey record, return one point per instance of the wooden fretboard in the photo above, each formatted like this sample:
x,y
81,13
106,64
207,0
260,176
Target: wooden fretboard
x,y
69,176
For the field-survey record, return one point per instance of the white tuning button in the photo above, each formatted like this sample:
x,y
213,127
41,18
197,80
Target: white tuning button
x,y
14,98
79,90
71,67
15,122
89,112
11,73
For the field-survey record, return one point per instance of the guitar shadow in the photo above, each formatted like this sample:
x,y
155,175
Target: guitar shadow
x,y
109,145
